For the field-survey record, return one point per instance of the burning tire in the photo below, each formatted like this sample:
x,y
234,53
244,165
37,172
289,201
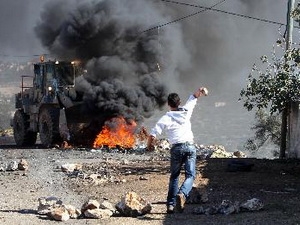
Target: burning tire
x,y
22,135
49,127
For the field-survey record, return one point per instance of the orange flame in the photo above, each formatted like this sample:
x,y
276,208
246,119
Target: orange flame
x,y
120,134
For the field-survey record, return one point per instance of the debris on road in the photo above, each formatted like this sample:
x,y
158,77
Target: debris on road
x,y
227,207
14,165
131,205
71,167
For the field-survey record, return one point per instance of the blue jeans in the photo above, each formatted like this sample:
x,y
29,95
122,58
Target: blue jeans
x,y
181,154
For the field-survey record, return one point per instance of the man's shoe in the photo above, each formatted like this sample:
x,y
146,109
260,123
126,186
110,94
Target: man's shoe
x,y
180,202
170,209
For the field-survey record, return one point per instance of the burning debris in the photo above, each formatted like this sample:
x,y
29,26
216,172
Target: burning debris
x,y
116,132
118,135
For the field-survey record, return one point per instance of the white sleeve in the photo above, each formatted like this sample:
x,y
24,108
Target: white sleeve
x,y
159,127
190,103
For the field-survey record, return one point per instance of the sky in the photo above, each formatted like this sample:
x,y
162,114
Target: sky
x,y
215,47
17,19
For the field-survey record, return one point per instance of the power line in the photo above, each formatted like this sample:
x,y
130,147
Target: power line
x,y
182,18
216,10
203,9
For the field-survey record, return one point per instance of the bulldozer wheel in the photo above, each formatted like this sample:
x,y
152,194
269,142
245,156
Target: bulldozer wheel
x,y
49,127
23,137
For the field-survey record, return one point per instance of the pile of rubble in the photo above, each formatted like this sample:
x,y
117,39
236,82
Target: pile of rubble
x,y
130,205
14,165
217,151
227,207
104,173
203,151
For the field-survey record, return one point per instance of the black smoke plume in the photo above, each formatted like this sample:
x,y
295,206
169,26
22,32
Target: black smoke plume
x,y
124,64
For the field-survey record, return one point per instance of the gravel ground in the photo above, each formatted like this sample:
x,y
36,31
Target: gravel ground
x,y
275,182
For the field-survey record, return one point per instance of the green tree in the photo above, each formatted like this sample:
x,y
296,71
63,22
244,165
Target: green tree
x,y
267,130
276,85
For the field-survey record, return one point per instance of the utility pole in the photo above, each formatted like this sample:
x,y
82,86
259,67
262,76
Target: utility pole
x,y
290,24
294,129
290,114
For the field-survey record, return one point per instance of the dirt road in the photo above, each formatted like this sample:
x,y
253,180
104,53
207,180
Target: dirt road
x,y
275,182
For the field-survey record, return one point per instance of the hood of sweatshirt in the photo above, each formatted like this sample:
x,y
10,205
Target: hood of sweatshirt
x,y
178,116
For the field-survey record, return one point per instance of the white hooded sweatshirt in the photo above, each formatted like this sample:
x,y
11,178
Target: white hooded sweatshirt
x,y
177,124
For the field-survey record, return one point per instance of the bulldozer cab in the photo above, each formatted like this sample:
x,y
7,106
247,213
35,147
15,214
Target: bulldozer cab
x,y
55,75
